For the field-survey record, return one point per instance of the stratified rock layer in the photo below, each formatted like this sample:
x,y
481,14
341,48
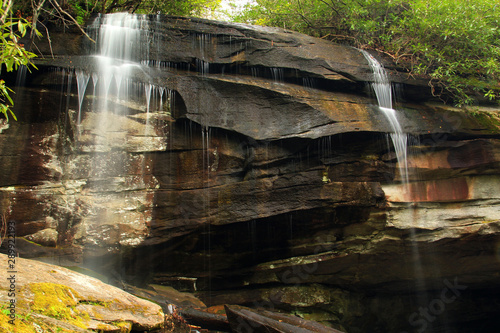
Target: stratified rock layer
x,y
261,175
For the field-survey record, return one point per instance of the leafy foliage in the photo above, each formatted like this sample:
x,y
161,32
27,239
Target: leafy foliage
x,y
179,7
81,10
456,43
12,52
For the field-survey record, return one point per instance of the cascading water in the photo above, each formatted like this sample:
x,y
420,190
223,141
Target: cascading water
x,y
122,56
115,128
119,35
383,92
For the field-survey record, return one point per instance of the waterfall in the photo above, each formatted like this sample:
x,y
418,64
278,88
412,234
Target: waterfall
x,y
120,55
383,91
119,119
119,35
118,50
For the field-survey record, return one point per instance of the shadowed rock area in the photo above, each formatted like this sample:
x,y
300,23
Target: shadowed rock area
x,y
251,166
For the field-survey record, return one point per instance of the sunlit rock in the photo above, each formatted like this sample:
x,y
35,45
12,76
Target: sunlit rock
x,y
58,297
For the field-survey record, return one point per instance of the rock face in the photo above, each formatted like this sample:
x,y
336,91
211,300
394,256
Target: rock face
x,y
251,165
57,297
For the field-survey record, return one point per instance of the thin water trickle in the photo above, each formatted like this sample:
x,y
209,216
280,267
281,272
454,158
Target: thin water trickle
x,y
21,76
148,88
82,80
400,141
106,80
383,91
95,78
118,81
277,74
162,91
308,82
68,92
204,42
203,66
255,72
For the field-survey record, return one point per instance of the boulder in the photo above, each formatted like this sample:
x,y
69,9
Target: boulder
x,y
57,297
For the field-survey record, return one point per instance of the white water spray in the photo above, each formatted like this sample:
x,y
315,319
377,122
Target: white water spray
x,y
95,78
82,80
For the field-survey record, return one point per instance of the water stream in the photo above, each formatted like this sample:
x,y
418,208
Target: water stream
x,y
112,116
383,91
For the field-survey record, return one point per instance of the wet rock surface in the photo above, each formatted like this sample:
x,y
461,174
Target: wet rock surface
x,y
250,185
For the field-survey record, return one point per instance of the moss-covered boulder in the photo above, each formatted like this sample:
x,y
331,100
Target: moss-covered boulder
x,y
37,296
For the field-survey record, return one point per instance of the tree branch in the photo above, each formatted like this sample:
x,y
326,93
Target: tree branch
x,y
332,6
36,13
6,12
60,10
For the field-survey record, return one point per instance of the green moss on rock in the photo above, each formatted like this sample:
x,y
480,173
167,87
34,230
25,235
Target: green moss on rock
x,y
488,120
25,322
56,301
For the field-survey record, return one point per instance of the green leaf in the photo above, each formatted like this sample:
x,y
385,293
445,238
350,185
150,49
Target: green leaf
x,y
12,114
12,55
21,27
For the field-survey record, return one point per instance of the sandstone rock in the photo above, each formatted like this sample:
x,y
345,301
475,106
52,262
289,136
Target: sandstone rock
x,y
292,111
178,298
167,297
51,291
45,237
